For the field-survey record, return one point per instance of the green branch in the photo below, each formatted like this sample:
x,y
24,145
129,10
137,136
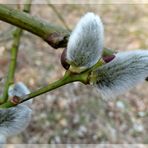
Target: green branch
x,y
13,60
68,78
52,34
12,65
84,77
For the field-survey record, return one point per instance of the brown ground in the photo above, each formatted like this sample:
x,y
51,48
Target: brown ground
x,y
75,113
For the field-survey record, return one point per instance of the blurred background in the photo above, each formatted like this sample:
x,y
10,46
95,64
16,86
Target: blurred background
x,y
75,113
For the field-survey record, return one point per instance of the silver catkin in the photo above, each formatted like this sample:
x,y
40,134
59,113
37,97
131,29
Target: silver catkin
x,y
123,73
86,42
15,119
19,89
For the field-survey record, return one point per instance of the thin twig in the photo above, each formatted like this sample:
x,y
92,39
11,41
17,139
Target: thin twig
x,y
58,15
68,78
13,60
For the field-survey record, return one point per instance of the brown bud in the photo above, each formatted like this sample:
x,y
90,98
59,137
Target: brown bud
x,y
15,100
109,58
63,59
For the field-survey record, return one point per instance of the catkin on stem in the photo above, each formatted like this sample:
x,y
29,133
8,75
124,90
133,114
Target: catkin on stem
x,y
124,72
86,41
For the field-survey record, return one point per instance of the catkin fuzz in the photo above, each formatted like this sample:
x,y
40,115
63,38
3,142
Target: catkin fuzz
x,y
124,72
85,44
15,119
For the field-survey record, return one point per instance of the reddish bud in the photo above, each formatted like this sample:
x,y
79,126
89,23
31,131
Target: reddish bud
x,y
63,59
109,58
15,100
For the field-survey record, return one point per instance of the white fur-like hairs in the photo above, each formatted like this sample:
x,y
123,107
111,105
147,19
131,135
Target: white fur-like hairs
x,y
19,89
86,42
125,71
14,120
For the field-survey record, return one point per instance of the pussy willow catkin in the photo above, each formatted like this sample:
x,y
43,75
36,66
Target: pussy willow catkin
x,y
14,120
124,72
86,41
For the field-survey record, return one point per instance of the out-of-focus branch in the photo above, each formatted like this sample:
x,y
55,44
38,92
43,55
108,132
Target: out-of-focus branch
x,y
13,60
58,15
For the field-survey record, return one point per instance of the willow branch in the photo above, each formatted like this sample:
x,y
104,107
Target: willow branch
x,y
12,65
54,35
68,78
14,51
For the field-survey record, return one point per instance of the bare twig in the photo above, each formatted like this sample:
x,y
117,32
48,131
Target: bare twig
x,y
58,15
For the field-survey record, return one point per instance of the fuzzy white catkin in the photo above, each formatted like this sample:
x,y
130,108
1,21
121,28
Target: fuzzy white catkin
x,y
19,89
86,42
14,120
124,72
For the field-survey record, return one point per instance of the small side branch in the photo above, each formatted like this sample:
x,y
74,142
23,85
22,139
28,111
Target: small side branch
x,y
68,78
14,51
58,15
